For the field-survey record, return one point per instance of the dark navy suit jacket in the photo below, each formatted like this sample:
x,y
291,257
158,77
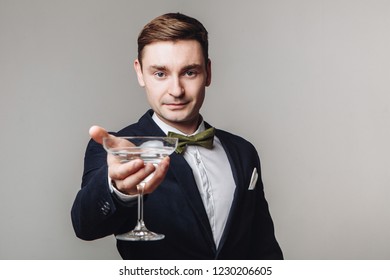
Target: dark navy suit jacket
x,y
175,208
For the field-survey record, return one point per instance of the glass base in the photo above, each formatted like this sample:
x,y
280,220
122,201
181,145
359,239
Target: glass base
x,y
140,233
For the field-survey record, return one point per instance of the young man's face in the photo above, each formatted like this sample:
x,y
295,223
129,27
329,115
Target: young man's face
x,y
175,75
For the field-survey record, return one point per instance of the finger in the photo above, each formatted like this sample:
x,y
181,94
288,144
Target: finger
x,y
120,171
158,176
97,133
129,184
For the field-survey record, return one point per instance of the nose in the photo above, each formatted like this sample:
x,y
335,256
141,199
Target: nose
x,y
176,88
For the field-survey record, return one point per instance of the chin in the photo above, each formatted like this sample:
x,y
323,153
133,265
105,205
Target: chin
x,y
176,116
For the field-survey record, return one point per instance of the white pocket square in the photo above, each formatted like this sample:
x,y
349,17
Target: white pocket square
x,y
254,178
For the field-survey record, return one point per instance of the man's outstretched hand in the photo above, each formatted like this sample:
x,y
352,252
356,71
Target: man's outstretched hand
x,y
126,176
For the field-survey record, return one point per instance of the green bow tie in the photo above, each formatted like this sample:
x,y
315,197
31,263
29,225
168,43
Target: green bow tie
x,y
204,139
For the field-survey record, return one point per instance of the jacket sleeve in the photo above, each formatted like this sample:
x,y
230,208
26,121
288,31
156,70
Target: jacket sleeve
x,y
96,212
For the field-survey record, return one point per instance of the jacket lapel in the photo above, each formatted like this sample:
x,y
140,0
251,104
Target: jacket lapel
x,y
234,159
183,174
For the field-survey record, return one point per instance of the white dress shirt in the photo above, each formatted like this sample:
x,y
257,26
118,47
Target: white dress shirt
x,y
213,176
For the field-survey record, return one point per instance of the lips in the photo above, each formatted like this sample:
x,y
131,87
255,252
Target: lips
x,y
176,105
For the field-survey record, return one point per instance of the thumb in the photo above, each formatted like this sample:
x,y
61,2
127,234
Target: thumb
x,y
97,133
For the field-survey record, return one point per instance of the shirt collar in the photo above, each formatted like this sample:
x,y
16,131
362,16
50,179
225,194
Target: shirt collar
x,y
166,128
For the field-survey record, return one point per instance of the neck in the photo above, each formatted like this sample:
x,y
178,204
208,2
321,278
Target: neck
x,y
190,127
187,128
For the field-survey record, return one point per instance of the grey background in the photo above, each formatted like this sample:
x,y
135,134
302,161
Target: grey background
x,y
307,82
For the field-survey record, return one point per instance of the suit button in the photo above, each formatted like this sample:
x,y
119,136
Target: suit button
x,y
105,207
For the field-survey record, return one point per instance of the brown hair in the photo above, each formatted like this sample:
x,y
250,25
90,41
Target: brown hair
x,y
173,27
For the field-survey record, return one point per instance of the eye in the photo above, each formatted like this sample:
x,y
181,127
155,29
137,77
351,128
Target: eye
x,y
190,73
159,74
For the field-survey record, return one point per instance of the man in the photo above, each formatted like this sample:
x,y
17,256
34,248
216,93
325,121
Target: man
x,y
206,201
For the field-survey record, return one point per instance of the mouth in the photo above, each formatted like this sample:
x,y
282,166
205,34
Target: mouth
x,y
176,105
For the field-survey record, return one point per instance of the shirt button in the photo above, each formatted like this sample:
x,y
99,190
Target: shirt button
x,y
197,159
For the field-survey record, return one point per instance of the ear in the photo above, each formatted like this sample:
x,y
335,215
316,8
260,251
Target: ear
x,y
138,70
208,72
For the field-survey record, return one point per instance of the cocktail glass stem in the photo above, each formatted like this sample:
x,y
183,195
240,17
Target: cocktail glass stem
x,y
140,231
141,224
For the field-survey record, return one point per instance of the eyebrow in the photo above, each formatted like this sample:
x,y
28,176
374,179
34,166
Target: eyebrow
x,y
192,66
157,67
164,68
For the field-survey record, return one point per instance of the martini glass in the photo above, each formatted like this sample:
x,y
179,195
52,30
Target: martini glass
x,y
150,150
